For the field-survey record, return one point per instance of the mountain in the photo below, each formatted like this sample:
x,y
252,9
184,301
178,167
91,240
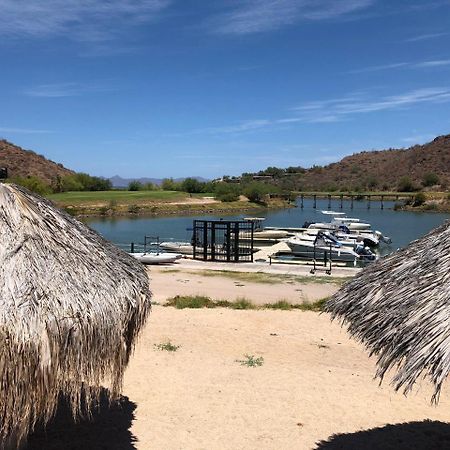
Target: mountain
x,y
24,163
372,170
120,182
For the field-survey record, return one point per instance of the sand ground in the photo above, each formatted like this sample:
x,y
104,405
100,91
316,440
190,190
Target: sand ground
x,y
168,282
314,389
314,382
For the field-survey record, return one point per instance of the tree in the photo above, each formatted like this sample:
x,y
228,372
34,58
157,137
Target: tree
x,y
256,192
135,185
168,184
191,185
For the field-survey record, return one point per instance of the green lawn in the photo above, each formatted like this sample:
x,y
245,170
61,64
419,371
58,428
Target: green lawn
x,y
123,197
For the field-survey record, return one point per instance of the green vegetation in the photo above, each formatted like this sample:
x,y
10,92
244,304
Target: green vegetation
x,y
226,192
430,179
200,301
251,361
167,346
419,199
33,184
405,184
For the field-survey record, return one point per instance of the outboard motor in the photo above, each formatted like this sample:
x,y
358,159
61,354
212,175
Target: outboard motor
x,y
307,224
382,238
365,253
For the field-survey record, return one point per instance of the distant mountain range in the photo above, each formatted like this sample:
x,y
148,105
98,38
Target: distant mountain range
x,y
119,182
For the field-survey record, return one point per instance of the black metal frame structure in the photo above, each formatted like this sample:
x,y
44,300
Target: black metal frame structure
x,y
223,240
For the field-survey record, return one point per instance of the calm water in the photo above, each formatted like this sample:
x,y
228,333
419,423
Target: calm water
x,y
403,227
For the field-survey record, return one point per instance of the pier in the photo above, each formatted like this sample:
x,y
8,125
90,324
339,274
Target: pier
x,y
371,199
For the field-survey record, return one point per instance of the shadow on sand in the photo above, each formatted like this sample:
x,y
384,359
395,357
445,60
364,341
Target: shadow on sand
x,y
426,435
108,429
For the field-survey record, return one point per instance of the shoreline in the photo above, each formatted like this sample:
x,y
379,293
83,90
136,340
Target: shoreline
x,y
170,209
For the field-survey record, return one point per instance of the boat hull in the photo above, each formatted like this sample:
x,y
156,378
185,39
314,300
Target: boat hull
x,y
156,258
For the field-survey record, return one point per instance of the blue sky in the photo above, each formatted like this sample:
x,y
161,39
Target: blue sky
x,y
205,87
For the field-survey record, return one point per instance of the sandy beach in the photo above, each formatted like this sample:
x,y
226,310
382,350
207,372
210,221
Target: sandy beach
x,y
313,389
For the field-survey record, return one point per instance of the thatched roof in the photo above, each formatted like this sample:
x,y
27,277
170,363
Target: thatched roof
x,y
71,306
399,307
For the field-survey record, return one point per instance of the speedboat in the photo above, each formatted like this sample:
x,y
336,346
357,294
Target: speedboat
x,y
325,245
259,232
156,258
349,227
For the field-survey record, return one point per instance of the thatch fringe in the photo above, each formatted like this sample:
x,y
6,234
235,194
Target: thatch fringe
x,y
71,306
399,307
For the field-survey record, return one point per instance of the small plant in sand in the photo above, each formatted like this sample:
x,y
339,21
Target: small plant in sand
x,y
167,346
251,361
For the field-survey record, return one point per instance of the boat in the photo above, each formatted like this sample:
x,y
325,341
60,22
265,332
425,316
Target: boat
x,y
350,227
325,245
259,232
156,258
182,247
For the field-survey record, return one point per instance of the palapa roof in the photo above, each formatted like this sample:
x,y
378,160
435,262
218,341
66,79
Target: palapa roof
x,y
71,306
399,307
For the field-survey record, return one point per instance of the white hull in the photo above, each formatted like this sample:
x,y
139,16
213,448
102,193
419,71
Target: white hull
x,y
178,247
305,248
156,258
270,234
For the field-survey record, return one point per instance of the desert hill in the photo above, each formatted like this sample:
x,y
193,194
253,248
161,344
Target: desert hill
x,y
25,163
372,170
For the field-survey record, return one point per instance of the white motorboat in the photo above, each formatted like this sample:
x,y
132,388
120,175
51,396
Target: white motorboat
x,y
352,227
184,248
317,250
156,258
259,232
325,244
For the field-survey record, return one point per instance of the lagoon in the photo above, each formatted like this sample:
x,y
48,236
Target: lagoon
x,y
402,226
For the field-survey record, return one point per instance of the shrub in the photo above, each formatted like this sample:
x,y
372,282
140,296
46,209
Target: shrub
x,y
430,179
419,199
133,209
405,184
33,184
226,192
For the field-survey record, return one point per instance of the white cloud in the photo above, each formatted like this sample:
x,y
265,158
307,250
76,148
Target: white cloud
x,y
88,20
256,16
56,90
403,65
425,37
23,131
340,108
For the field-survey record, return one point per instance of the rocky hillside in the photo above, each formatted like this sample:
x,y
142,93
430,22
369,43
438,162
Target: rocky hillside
x,y
24,163
420,165
385,169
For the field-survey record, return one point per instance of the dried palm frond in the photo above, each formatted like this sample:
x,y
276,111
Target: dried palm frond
x,y
399,307
71,306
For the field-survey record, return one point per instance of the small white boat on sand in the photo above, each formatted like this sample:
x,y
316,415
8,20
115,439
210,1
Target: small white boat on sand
x,y
184,248
156,258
